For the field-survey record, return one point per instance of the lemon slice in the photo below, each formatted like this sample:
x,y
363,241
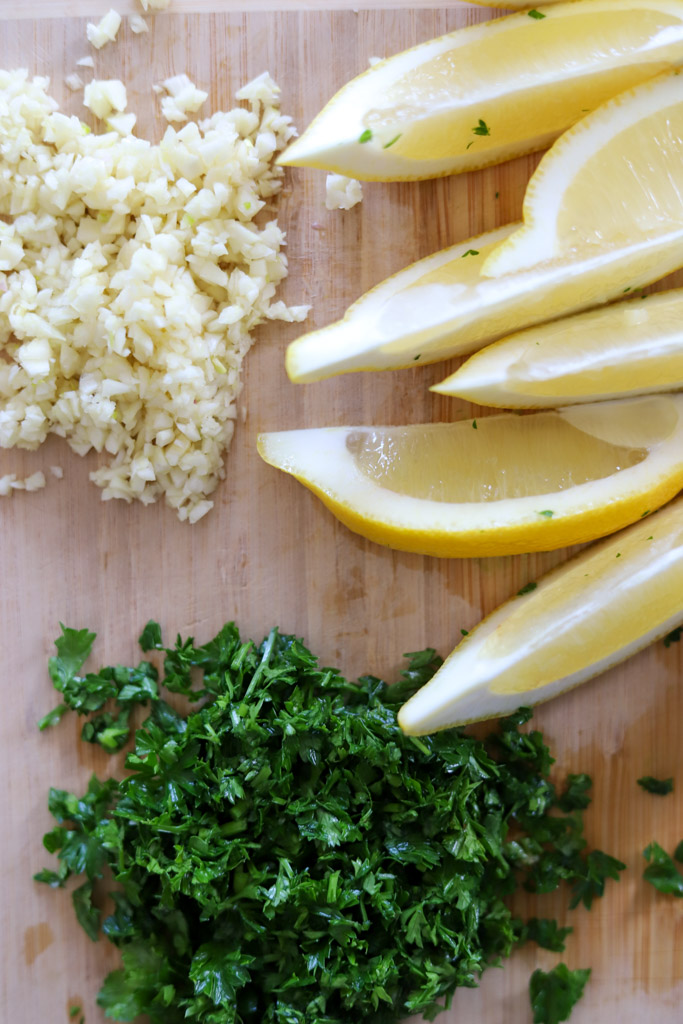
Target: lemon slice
x,y
583,617
491,91
496,486
630,348
442,306
613,181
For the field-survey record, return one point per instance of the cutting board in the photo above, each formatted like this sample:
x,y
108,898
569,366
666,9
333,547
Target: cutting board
x,y
269,553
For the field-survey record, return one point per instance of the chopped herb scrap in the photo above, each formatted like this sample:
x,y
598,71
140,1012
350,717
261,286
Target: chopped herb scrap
x,y
284,853
547,513
660,787
395,139
474,424
661,870
527,588
482,128
465,632
575,796
675,635
555,993
365,136
546,933
536,14
470,252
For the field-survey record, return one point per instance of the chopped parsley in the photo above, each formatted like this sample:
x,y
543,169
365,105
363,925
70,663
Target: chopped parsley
x,y
527,588
675,635
547,513
482,128
395,139
465,632
660,787
474,424
470,252
284,853
365,136
546,933
536,14
555,993
661,870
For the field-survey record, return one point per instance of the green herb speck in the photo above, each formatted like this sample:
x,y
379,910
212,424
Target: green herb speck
x,y
547,513
482,128
527,588
658,787
395,139
365,136
470,252
535,14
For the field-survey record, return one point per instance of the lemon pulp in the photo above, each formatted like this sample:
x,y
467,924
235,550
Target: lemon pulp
x,y
569,57
568,634
457,463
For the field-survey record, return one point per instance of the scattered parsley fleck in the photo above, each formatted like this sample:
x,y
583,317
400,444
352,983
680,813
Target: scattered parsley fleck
x,y
535,14
661,871
474,424
469,144
546,933
395,139
415,358
618,554
660,787
470,252
626,290
465,632
527,588
497,195
674,636
74,1011
645,513
547,513
555,993
365,136
482,128
650,537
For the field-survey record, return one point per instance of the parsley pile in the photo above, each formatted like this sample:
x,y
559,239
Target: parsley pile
x,y
285,854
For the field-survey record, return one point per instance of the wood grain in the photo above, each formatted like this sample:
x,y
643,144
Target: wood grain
x,y
270,553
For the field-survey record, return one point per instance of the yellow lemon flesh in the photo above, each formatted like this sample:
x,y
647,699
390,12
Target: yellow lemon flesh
x,y
585,616
628,348
495,486
612,182
442,306
491,91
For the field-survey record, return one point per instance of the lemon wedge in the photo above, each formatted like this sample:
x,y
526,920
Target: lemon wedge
x,y
441,306
612,182
629,348
491,91
495,486
580,619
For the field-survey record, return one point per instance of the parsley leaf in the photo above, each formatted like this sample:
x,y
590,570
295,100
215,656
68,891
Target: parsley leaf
x,y
283,852
660,787
555,993
661,871
546,933
482,128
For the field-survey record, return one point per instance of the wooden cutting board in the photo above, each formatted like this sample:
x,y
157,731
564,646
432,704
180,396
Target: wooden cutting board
x,y
270,553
